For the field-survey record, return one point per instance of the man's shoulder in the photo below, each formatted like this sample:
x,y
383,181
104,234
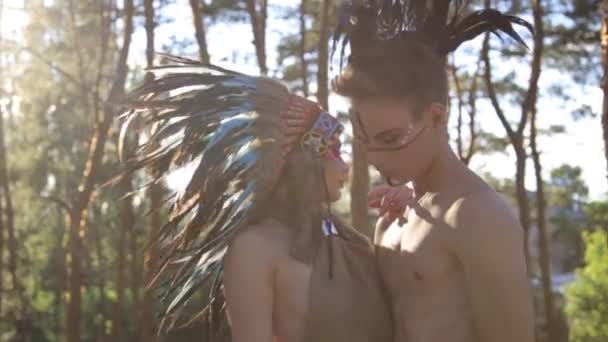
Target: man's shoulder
x,y
484,224
483,212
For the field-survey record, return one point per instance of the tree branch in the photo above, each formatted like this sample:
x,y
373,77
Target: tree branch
x,y
303,63
106,22
513,138
199,29
53,66
63,204
459,148
473,112
79,57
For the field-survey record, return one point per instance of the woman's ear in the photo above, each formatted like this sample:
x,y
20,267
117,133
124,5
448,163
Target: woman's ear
x,y
438,115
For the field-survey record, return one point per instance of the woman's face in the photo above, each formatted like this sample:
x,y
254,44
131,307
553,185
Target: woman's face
x,y
336,172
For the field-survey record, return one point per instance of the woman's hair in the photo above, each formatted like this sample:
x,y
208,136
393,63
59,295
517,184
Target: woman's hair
x,y
405,68
297,200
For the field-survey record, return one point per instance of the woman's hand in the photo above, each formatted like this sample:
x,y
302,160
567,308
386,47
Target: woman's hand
x,y
392,202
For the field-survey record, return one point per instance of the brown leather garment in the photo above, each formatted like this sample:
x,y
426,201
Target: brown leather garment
x,y
351,305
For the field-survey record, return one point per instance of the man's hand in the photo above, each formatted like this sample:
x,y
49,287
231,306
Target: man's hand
x,y
392,202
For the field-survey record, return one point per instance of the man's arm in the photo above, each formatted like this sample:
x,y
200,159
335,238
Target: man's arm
x,y
490,248
248,286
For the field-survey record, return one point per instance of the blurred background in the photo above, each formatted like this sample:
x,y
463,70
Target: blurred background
x,y
73,256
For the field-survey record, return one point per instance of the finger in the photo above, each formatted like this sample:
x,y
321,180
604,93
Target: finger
x,y
382,210
384,205
388,218
402,200
382,224
375,203
402,216
378,192
401,210
404,193
393,216
389,201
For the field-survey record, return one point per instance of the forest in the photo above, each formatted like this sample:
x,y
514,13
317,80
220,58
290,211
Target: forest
x,y
75,256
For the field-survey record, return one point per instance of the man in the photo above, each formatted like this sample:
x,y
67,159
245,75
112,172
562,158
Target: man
x,y
456,270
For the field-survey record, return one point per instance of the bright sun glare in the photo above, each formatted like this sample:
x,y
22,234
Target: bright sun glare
x,y
13,19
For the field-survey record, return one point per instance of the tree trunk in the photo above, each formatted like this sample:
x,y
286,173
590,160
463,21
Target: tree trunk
x,y
303,63
199,27
604,43
322,78
467,154
516,138
126,222
151,264
543,243
135,263
1,169
5,189
1,246
118,322
459,143
102,280
127,266
89,177
258,26
63,217
146,329
359,187
79,56
531,110
523,201
472,114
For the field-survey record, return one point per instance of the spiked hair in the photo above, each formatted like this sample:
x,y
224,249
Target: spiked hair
x,y
398,47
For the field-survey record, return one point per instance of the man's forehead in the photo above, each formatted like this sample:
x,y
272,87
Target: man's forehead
x,y
378,116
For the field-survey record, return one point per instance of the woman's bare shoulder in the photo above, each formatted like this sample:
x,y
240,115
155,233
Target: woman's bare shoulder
x,y
267,238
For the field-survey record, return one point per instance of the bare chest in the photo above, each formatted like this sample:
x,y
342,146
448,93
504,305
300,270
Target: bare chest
x,y
414,258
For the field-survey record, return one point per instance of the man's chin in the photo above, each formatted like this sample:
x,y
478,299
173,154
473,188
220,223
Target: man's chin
x,y
396,180
392,178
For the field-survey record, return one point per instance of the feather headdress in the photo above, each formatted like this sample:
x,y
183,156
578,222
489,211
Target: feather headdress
x,y
366,23
233,131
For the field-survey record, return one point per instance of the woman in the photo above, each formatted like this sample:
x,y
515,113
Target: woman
x,y
277,271
253,219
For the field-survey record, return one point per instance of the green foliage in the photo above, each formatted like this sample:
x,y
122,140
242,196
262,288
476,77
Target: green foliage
x,y
491,143
567,196
567,185
587,298
54,77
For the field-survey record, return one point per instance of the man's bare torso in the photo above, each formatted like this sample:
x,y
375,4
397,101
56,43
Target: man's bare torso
x,y
424,278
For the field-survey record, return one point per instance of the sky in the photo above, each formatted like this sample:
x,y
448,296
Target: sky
x,y
232,47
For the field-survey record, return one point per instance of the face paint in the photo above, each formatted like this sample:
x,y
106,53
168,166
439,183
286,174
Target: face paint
x,y
324,137
334,150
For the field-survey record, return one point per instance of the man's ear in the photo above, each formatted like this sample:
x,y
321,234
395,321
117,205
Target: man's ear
x,y
438,115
